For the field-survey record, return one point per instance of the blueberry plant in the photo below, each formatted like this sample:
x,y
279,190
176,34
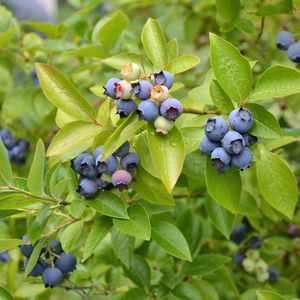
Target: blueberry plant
x,y
119,179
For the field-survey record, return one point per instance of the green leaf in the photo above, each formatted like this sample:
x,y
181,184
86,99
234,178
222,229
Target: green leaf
x,y
194,164
185,62
47,29
170,239
71,235
221,218
123,246
277,81
204,264
89,51
138,224
5,168
154,42
51,178
225,189
35,179
109,204
71,136
20,183
186,291
265,123
248,206
77,208
43,213
36,229
7,213
7,36
267,295
246,26
277,183
270,10
61,92
8,244
100,229
231,69
281,142
192,138
206,290
163,149
109,33
172,48
220,98
119,60
229,9
151,189
61,187
57,46
63,118
136,294
153,209
139,272
4,294
17,201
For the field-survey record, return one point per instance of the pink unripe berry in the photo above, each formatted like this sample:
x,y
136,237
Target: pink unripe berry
x,y
121,179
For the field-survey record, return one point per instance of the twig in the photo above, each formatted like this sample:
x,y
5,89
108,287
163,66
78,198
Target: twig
x,y
73,287
261,30
201,112
65,287
59,227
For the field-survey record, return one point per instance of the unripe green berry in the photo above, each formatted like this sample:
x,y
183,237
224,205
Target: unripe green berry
x,y
262,277
248,264
252,254
131,72
163,125
261,267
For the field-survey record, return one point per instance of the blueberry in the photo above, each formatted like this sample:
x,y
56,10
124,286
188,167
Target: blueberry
x,y
51,277
8,140
57,248
163,125
34,78
123,150
17,156
75,163
261,267
248,264
215,128
66,263
123,89
141,89
243,160
88,188
255,242
88,167
233,142
108,166
294,230
130,162
159,93
249,139
97,152
38,269
273,274
26,249
262,277
238,234
207,146
121,179
241,120
220,158
294,52
126,107
110,88
252,254
240,256
223,169
105,185
284,39
131,71
23,144
147,111
171,109
4,256
164,78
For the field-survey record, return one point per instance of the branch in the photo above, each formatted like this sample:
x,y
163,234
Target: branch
x,y
201,112
261,30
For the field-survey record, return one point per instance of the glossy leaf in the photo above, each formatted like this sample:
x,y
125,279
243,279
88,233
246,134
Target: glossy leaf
x,y
246,26
206,290
71,235
5,168
192,138
286,140
194,164
267,295
9,243
51,179
136,294
4,294
37,228
229,9
172,48
185,62
248,206
186,291
89,51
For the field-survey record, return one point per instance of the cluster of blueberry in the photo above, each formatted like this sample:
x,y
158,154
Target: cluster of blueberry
x,y
95,173
16,149
53,263
163,113
286,41
249,259
234,151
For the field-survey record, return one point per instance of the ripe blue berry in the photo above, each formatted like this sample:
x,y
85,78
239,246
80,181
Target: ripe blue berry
x,y
220,158
56,248
105,185
215,128
141,89
130,162
108,166
233,142
121,179
88,167
255,242
23,145
273,274
159,93
249,139
26,249
66,263
241,120
97,152
284,39
238,234
147,111
17,156
207,146
4,256
123,89
51,277
38,269
88,188
171,109
110,88
223,169
243,160
126,107
240,256
123,150
294,230
131,71
8,140
75,163
294,52
164,78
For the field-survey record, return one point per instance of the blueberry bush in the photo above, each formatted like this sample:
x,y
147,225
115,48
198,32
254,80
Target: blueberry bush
x,y
150,150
